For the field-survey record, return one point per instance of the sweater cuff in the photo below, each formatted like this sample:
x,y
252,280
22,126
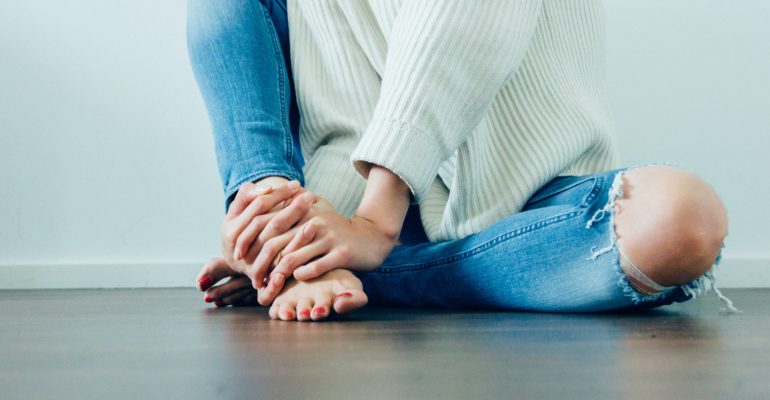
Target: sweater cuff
x,y
404,149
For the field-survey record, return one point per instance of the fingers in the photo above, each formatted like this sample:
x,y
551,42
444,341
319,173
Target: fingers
x,y
296,195
277,278
337,258
267,199
244,196
273,288
247,237
290,261
302,237
287,218
214,271
258,206
267,254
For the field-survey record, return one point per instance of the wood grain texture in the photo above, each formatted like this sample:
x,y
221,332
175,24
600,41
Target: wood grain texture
x,y
167,343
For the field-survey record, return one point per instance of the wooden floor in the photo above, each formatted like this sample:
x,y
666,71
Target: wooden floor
x,y
167,343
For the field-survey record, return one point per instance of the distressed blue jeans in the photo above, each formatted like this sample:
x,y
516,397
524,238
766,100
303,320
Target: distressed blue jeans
x,y
558,254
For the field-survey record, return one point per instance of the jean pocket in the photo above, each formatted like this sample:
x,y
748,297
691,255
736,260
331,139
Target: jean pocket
x,y
563,190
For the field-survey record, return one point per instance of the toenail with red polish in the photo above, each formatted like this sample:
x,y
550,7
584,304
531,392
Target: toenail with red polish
x,y
219,303
319,310
305,313
288,314
208,299
345,294
205,282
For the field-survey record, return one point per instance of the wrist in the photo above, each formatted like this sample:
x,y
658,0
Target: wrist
x,y
385,236
378,243
385,202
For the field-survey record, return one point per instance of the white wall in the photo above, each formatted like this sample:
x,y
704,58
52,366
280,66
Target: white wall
x,y
105,153
690,82
106,158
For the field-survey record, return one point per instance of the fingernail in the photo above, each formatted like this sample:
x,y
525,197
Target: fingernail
x,y
305,313
345,294
208,299
237,254
262,189
308,197
205,282
319,310
293,184
277,279
219,303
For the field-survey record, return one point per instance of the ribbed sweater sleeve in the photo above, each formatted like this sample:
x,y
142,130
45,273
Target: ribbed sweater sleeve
x,y
445,63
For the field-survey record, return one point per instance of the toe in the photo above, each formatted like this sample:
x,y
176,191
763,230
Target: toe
x,y
349,300
321,308
287,311
273,312
214,271
304,308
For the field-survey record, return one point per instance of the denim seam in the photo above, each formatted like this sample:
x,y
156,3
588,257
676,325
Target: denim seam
x,y
596,188
692,289
478,249
598,184
289,151
283,7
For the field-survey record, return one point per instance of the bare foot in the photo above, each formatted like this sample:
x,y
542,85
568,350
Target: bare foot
x,y
237,291
313,299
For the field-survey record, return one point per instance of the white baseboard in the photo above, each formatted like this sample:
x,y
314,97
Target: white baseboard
x,y
735,272
95,276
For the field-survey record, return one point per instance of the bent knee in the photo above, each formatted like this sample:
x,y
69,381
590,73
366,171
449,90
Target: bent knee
x,y
670,223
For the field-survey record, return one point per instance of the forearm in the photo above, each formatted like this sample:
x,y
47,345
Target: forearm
x,y
385,202
447,61
330,240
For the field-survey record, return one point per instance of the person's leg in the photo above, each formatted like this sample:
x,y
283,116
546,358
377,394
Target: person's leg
x,y
560,253
279,15
339,290
239,54
681,222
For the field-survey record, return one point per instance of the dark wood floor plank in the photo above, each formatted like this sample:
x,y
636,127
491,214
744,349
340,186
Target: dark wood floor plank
x,y
167,343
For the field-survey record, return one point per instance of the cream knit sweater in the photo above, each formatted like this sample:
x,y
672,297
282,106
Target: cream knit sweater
x,y
474,104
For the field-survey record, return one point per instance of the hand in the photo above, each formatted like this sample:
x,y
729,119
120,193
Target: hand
x,y
253,209
326,242
261,242
274,248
